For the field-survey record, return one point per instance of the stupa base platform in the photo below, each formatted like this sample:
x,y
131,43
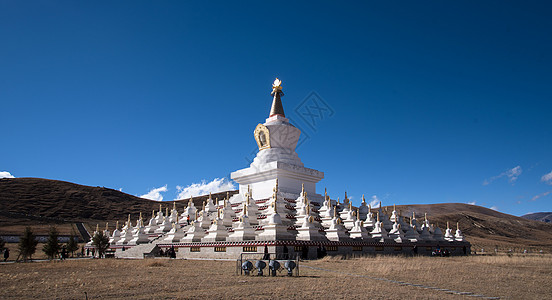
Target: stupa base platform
x,y
311,249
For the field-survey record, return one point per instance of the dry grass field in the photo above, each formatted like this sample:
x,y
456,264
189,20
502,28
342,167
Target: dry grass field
x,y
517,277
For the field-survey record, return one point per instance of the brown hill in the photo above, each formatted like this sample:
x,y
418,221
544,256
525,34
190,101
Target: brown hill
x,y
486,228
540,216
43,202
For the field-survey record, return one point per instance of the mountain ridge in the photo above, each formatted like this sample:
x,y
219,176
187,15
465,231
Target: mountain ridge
x,y
41,203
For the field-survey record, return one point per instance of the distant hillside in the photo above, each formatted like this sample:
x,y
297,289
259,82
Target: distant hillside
x,y
540,216
43,202
485,227
36,201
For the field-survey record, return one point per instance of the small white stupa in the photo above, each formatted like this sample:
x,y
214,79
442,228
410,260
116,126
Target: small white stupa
x,y
448,234
379,232
438,234
359,231
195,233
363,210
350,217
139,236
217,232
152,225
274,230
243,231
309,231
396,233
458,236
116,235
175,234
165,225
126,234
336,231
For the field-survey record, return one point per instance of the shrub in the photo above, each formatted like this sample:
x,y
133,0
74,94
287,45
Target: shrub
x,y
27,244
52,246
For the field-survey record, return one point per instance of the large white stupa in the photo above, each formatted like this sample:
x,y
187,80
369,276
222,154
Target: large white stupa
x,y
278,210
277,159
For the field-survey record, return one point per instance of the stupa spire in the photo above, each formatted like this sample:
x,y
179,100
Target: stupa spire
x,y
277,107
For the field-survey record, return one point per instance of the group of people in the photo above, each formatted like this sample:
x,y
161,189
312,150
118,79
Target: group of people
x,y
168,253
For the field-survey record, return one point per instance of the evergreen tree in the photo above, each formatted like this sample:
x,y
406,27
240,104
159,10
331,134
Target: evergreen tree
x,y
52,246
72,244
27,244
100,242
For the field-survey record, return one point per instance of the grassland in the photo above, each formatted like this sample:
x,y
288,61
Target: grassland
x,y
515,277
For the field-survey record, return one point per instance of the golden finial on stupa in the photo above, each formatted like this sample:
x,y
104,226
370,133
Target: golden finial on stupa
x,y
277,85
363,200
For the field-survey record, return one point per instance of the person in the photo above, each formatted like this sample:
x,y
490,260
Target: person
x,y
173,252
6,254
188,219
286,256
63,253
82,251
305,252
266,255
415,249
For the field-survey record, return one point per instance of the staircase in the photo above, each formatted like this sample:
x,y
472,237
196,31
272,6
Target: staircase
x,y
83,232
139,251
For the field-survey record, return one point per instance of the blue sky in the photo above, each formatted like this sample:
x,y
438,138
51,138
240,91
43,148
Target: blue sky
x,y
431,101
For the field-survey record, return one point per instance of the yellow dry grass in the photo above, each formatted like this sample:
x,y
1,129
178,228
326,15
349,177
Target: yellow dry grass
x,y
517,277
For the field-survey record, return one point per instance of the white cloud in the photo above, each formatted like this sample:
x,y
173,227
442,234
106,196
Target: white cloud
x,y
494,208
155,194
204,188
547,178
6,174
512,175
375,202
541,195
471,203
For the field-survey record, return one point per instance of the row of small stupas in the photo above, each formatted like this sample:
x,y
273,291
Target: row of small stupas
x,y
280,218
